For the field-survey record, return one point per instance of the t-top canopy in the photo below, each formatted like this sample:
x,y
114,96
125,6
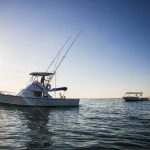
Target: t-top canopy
x,y
41,74
134,93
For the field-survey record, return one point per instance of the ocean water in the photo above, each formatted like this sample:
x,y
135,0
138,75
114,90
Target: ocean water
x,y
105,124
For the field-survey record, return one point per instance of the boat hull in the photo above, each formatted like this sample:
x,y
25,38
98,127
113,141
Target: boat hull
x,y
38,102
132,99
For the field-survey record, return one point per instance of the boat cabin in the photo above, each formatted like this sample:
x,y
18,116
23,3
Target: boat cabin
x,y
39,86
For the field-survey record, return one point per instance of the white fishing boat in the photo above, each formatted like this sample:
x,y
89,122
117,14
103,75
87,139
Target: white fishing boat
x,y
39,91
134,96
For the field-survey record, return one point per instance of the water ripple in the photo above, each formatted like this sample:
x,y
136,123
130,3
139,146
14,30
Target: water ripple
x,y
96,124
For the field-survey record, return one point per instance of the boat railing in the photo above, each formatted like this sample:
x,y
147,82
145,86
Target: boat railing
x,y
7,93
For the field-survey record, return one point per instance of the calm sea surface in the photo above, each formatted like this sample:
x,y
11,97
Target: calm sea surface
x,y
96,124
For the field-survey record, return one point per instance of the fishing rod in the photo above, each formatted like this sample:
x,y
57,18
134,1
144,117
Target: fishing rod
x,y
56,68
77,36
58,54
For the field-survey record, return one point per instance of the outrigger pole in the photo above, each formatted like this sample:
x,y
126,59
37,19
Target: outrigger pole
x,y
77,36
63,57
59,52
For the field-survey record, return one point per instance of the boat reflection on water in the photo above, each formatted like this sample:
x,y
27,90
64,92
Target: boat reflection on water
x,y
42,126
38,134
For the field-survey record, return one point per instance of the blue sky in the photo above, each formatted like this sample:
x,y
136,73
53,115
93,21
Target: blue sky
x,y
110,58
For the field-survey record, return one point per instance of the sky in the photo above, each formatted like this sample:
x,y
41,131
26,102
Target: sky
x,y
111,56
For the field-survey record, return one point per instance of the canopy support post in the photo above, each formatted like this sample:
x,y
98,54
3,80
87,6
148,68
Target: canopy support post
x,y
55,84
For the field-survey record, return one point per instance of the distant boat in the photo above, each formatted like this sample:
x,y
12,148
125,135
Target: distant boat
x,y
134,96
37,94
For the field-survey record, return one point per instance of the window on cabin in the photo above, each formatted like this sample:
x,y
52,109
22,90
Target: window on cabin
x,y
37,93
